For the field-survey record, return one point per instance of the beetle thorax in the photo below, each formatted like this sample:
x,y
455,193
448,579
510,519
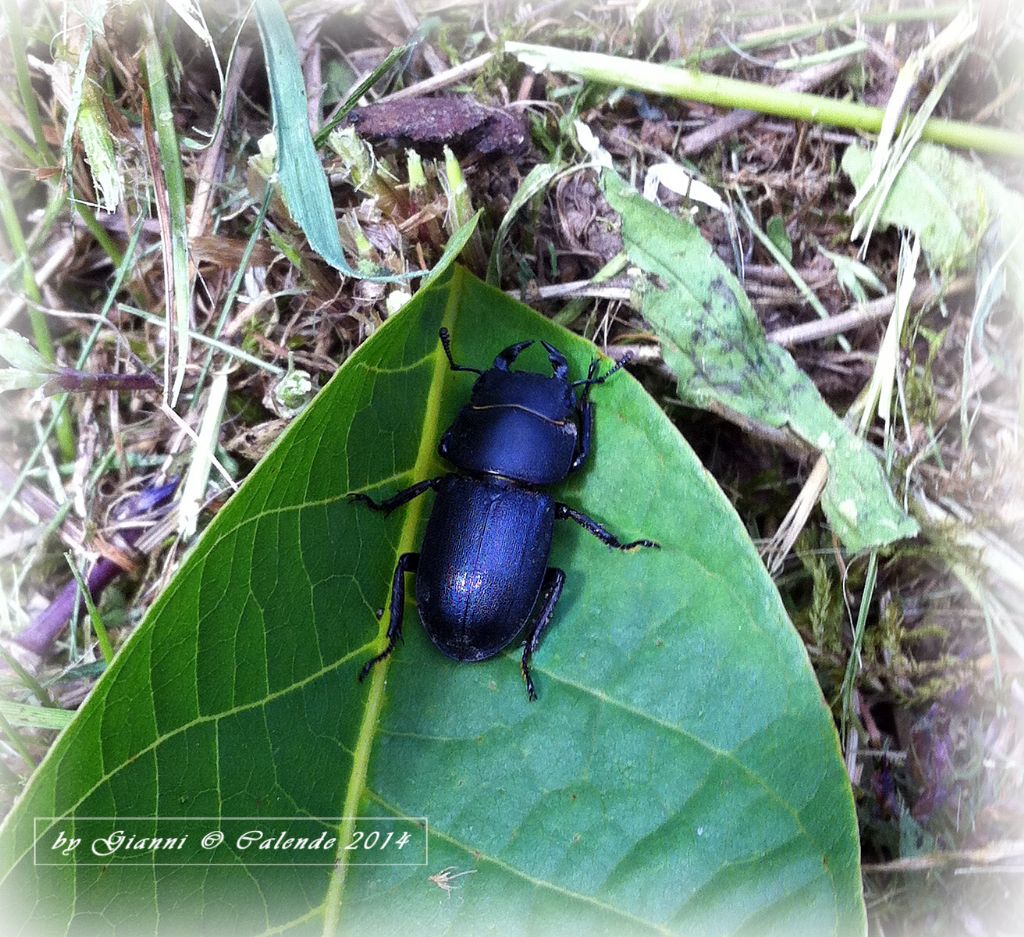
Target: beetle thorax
x,y
518,425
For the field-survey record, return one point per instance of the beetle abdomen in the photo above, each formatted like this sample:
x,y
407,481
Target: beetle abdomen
x,y
482,564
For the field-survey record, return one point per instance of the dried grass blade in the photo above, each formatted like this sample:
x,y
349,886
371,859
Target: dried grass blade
x,y
883,378
193,492
950,39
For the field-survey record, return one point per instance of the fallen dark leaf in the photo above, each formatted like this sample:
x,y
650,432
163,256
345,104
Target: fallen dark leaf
x,y
459,123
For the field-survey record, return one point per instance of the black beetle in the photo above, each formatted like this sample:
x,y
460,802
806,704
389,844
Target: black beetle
x,y
482,573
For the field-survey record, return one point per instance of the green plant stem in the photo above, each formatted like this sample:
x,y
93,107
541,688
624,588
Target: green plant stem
x,y
791,271
59,403
16,33
51,214
17,743
98,627
732,93
819,58
40,329
174,221
97,230
230,350
236,285
772,37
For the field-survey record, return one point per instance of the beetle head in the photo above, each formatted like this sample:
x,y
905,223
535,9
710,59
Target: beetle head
x,y
519,425
559,366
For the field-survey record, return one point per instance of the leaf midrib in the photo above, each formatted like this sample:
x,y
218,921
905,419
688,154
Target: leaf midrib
x,y
356,786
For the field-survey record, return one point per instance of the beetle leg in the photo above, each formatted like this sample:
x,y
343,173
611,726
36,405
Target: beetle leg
x,y
591,379
407,563
395,501
446,344
586,411
564,512
551,589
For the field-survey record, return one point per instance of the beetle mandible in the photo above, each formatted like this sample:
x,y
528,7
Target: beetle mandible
x,y
481,574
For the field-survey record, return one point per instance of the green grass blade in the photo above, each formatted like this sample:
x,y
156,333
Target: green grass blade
x,y
19,44
453,248
40,329
176,264
35,717
95,617
303,181
538,179
353,99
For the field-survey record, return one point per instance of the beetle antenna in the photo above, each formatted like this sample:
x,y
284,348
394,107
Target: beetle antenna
x,y
446,344
590,380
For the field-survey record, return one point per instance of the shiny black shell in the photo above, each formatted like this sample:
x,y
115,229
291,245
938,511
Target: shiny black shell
x,y
482,564
517,425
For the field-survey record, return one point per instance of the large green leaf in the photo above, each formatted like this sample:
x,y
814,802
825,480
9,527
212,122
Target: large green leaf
x,y
679,774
